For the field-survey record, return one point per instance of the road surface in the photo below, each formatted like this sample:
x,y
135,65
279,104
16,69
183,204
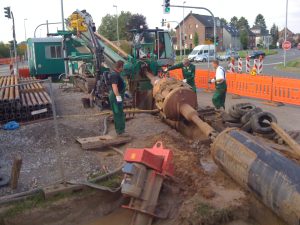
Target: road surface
x,y
269,64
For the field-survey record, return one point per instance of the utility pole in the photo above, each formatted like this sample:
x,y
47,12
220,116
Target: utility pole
x,y
62,14
285,33
9,14
183,29
118,37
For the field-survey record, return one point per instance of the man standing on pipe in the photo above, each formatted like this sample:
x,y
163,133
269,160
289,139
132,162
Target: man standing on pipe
x,y
116,97
188,72
221,86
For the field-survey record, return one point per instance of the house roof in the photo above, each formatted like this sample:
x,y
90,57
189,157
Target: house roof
x,y
207,21
232,30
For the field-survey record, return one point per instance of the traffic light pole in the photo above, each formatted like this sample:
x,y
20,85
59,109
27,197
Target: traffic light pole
x,y
214,20
15,46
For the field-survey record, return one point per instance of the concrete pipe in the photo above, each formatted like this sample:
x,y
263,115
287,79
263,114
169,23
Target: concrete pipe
x,y
273,178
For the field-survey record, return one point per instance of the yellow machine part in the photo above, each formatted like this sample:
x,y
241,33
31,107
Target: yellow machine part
x,y
76,22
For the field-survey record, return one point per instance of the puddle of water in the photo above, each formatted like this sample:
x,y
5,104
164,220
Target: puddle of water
x,y
118,217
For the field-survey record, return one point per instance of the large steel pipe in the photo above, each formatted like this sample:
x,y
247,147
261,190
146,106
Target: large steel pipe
x,y
273,178
176,99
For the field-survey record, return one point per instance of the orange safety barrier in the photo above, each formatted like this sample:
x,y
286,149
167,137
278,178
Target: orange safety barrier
x,y
4,61
285,90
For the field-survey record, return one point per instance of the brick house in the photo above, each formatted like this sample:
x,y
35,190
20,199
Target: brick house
x,y
203,26
251,40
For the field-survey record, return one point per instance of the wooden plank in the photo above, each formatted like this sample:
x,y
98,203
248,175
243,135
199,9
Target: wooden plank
x,y
15,172
99,142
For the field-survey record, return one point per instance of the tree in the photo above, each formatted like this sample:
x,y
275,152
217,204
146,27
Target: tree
x,y
223,21
124,18
135,22
275,34
243,24
4,50
234,22
108,27
196,39
244,38
260,21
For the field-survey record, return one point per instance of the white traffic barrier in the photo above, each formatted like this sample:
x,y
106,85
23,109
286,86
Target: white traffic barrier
x,y
240,65
260,65
248,66
231,66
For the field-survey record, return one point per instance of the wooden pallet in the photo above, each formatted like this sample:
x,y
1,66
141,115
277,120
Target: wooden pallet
x,y
99,142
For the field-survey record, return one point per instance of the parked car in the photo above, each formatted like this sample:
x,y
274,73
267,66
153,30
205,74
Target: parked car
x,y
298,46
228,56
203,58
257,54
201,50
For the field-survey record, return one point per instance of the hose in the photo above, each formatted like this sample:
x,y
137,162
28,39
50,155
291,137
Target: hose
x,y
105,130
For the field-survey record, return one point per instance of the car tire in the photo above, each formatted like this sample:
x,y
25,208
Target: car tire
x,y
233,112
242,109
238,125
247,127
259,125
228,118
246,118
204,60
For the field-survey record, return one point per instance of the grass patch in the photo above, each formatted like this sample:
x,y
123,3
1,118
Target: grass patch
x,y
112,182
291,66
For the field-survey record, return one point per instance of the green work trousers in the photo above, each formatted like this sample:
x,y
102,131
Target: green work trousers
x,y
220,95
119,116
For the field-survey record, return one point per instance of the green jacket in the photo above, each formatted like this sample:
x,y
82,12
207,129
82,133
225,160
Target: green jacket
x,y
188,73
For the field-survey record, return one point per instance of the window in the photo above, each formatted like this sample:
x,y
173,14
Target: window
x,y
196,25
53,52
191,36
190,26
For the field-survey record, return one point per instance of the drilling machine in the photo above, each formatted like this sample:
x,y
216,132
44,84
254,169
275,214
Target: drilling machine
x,y
87,53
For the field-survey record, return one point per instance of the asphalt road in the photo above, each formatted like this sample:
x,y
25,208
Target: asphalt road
x,y
269,64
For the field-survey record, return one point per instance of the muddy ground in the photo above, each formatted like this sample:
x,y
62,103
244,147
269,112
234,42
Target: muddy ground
x,y
199,193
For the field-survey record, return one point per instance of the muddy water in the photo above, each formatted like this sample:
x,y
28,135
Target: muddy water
x,y
118,217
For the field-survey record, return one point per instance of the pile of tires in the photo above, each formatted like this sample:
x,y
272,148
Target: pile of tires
x,y
250,118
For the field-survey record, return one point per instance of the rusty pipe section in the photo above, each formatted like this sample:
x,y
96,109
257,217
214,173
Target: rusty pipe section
x,y
273,178
176,99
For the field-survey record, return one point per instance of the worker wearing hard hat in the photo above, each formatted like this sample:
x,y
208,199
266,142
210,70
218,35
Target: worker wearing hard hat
x,y
116,97
221,86
188,71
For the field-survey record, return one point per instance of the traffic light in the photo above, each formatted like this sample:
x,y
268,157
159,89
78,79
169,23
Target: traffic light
x,y
11,45
7,12
217,40
163,22
166,6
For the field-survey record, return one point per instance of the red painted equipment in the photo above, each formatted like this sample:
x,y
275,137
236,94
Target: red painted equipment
x,y
145,171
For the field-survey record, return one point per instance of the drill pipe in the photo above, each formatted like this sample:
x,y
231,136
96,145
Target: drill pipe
x,y
175,98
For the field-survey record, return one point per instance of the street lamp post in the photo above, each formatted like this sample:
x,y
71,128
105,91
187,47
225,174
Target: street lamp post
x,y
183,29
285,33
62,14
115,6
25,28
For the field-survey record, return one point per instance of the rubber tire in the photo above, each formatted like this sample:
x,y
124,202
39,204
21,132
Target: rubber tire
x,y
247,127
204,60
257,122
232,112
228,118
238,125
242,109
246,118
4,180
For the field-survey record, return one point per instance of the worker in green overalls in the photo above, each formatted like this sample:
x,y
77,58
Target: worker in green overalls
x,y
116,97
221,86
188,72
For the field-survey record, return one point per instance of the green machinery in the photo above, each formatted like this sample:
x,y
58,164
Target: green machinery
x,y
89,55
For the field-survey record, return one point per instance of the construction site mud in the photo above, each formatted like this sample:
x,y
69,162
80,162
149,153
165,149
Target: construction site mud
x,y
199,193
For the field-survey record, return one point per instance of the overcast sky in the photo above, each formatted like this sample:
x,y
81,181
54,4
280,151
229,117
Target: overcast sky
x,y
38,11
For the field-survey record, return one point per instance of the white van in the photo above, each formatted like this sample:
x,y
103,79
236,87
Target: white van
x,y
201,50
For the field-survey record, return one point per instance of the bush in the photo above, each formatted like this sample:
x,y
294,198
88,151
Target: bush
x,y
187,51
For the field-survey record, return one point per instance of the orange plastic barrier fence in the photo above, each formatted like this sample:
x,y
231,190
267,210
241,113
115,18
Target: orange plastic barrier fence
x,y
285,90
8,60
